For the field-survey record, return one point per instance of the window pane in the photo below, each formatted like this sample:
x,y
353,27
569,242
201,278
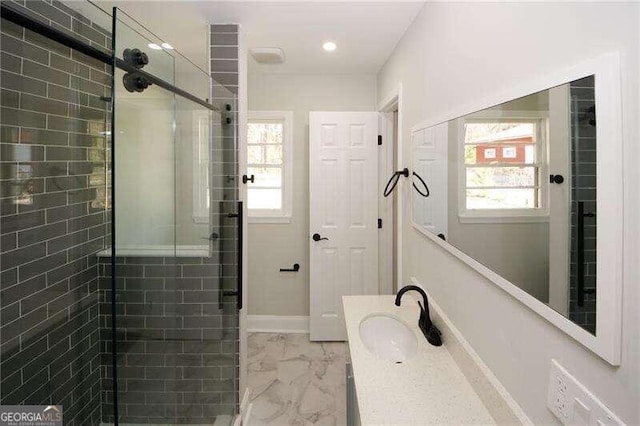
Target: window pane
x,y
254,154
501,176
268,199
497,131
273,154
485,142
261,133
501,198
266,177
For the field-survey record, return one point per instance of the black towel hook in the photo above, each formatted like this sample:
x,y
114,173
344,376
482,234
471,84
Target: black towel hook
x,y
423,183
395,177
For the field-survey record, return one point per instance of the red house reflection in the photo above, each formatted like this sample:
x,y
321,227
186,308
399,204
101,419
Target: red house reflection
x,y
512,150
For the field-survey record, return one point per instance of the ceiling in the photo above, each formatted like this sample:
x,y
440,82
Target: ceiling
x,y
365,32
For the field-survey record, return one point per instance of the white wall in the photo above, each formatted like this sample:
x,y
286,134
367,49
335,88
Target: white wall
x,y
454,53
275,246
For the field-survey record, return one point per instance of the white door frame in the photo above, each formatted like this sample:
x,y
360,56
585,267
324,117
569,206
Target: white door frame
x,y
391,103
242,194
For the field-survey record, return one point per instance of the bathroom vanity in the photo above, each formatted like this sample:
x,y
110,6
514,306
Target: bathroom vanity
x,y
404,380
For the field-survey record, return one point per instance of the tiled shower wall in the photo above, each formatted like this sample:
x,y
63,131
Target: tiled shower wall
x,y
175,356
54,212
224,66
583,170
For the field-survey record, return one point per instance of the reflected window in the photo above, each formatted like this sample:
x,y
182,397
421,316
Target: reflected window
x,y
269,162
201,148
502,165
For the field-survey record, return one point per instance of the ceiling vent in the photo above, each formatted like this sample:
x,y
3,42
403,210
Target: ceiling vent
x,y
267,55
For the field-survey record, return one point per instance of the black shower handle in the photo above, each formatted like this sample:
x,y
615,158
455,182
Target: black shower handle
x,y
317,237
246,179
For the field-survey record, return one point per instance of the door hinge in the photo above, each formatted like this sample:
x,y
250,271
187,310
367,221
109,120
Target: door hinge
x,y
379,223
379,139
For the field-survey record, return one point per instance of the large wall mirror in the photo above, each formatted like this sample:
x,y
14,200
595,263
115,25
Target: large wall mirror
x,y
517,188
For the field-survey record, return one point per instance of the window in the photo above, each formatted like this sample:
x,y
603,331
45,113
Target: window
x,y
200,150
501,175
269,140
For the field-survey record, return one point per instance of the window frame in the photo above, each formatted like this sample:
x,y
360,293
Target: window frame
x,y
539,214
284,214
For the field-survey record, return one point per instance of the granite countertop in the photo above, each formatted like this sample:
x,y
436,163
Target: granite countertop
x,y
429,388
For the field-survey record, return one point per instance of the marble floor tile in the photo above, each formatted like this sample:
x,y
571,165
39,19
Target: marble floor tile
x,y
295,381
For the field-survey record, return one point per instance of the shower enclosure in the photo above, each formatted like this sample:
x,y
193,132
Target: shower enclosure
x,y
121,225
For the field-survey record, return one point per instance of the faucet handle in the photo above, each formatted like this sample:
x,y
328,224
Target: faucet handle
x,y
423,314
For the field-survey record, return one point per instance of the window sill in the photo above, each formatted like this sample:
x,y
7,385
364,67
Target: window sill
x,y
502,219
266,219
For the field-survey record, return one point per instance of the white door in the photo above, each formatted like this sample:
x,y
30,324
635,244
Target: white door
x,y
430,163
343,186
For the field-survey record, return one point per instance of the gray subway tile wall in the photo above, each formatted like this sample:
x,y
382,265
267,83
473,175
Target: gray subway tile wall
x,y
173,340
53,214
178,340
583,170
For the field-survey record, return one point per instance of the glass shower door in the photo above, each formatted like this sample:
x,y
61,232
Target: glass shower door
x,y
173,323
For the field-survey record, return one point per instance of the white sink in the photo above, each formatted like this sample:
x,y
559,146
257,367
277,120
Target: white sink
x,y
388,338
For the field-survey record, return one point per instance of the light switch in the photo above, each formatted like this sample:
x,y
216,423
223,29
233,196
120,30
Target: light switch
x,y
581,413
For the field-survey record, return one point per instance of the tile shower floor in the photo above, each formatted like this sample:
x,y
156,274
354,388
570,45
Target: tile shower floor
x,y
295,381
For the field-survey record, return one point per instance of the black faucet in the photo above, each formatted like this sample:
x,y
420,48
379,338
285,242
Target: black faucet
x,y
429,330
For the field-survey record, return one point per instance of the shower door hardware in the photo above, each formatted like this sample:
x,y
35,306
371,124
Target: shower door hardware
x,y
379,223
556,179
296,268
237,293
424,194
135,57
135,82
379,139
246,179
393,181
442,237
581,214
11,14
317,237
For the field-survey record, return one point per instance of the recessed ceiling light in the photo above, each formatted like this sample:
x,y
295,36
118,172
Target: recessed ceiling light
x,y
329,46
167,46
154,46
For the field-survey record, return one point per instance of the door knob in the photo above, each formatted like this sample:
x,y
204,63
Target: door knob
x,y
317,237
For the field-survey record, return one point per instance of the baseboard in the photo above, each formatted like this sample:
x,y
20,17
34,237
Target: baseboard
x,y
500,404
277,324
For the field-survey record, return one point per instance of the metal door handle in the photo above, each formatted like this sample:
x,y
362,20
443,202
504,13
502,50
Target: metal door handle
x,y
317,237
246,179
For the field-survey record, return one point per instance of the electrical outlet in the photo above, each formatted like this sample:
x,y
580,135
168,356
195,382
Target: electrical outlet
x,y
573,403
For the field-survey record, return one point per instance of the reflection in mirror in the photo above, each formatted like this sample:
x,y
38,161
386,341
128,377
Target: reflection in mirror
x,y
514,187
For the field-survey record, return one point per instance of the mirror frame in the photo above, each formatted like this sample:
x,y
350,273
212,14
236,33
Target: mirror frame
x,y
606,343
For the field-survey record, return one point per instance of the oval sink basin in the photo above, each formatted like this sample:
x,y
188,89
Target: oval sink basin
x,y
388,338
